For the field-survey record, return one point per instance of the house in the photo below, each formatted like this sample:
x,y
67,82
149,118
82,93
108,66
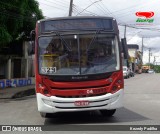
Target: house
x,y
16,67
135,58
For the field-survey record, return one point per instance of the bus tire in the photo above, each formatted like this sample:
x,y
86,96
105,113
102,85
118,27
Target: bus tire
x,y
108,113
46,115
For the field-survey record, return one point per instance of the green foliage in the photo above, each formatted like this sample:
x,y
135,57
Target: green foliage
x,y
17,17
156,68
4,36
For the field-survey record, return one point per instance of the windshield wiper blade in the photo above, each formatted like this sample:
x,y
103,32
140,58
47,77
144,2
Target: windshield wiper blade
x,y
93,39
63,40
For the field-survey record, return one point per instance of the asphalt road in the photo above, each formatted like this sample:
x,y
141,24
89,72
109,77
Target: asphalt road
x,y
141,107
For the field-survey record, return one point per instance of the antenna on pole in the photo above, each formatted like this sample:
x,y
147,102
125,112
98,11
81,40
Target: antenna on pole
x,y
70,8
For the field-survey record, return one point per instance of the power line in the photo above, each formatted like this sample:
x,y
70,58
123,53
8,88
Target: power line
x,y
100,8
133,36
127,25
129,11
134,6
105,8
151,29
86,10
9,5
59,1
57,4
88,7
75,9
53,6
17,16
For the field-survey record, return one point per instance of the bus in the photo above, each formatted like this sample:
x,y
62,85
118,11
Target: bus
x,y
78,65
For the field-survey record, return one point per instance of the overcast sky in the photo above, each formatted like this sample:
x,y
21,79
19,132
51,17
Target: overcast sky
x,y
124,12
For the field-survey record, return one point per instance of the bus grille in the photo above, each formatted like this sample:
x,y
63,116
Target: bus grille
x,y
97,91
80,96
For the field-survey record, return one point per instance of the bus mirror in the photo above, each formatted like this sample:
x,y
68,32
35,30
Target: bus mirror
x,y
32,35
31,46
124,48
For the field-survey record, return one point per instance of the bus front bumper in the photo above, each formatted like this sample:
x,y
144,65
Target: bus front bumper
x,y
55,104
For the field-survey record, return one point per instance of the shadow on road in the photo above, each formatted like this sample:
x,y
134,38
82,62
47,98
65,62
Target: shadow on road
x,y
122,115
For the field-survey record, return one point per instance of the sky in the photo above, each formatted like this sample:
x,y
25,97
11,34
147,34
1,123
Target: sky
x,y
123,11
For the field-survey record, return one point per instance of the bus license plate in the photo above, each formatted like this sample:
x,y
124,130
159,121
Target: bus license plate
x,y
81,103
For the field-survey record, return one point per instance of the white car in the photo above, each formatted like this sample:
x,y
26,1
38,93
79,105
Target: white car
x,y
126,72
150,71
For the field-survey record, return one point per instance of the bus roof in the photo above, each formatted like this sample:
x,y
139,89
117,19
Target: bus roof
x,y
76,17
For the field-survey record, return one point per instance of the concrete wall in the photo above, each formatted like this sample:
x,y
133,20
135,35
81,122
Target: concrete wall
x,y
19,82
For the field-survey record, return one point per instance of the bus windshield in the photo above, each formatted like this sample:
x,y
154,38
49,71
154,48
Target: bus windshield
x,y
78,54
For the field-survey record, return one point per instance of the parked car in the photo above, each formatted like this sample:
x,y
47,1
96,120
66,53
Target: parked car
x,y
131,73
150,71
126,72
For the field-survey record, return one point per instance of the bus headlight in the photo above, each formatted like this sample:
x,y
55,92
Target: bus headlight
x,y
117,86
47,102
43,90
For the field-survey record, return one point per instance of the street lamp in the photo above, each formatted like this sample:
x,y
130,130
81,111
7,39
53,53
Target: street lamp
x,y
88,6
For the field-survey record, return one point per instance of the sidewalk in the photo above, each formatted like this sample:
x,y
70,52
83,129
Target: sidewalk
x,y
17,92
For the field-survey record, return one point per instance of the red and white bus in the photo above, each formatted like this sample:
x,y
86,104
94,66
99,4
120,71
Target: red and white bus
x,y
78,65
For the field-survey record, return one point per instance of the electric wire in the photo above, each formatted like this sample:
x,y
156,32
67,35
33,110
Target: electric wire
x,y
52,6
57,4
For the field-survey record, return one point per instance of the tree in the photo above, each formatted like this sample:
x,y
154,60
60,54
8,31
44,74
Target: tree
x,y
17,19
155,67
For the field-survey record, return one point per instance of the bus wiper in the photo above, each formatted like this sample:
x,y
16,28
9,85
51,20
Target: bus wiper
x,y
63,40
93,39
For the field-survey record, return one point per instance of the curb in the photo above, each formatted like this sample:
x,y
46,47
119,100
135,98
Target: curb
x,y
24,93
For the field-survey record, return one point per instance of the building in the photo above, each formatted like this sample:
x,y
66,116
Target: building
x,y
135,58
16,67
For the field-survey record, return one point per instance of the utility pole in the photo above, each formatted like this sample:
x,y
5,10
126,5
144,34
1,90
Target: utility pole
x,y
125,28
70,8
142,48
149,55
155,60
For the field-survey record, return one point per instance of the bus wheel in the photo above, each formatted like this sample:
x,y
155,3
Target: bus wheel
x,y
46,115
108,113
